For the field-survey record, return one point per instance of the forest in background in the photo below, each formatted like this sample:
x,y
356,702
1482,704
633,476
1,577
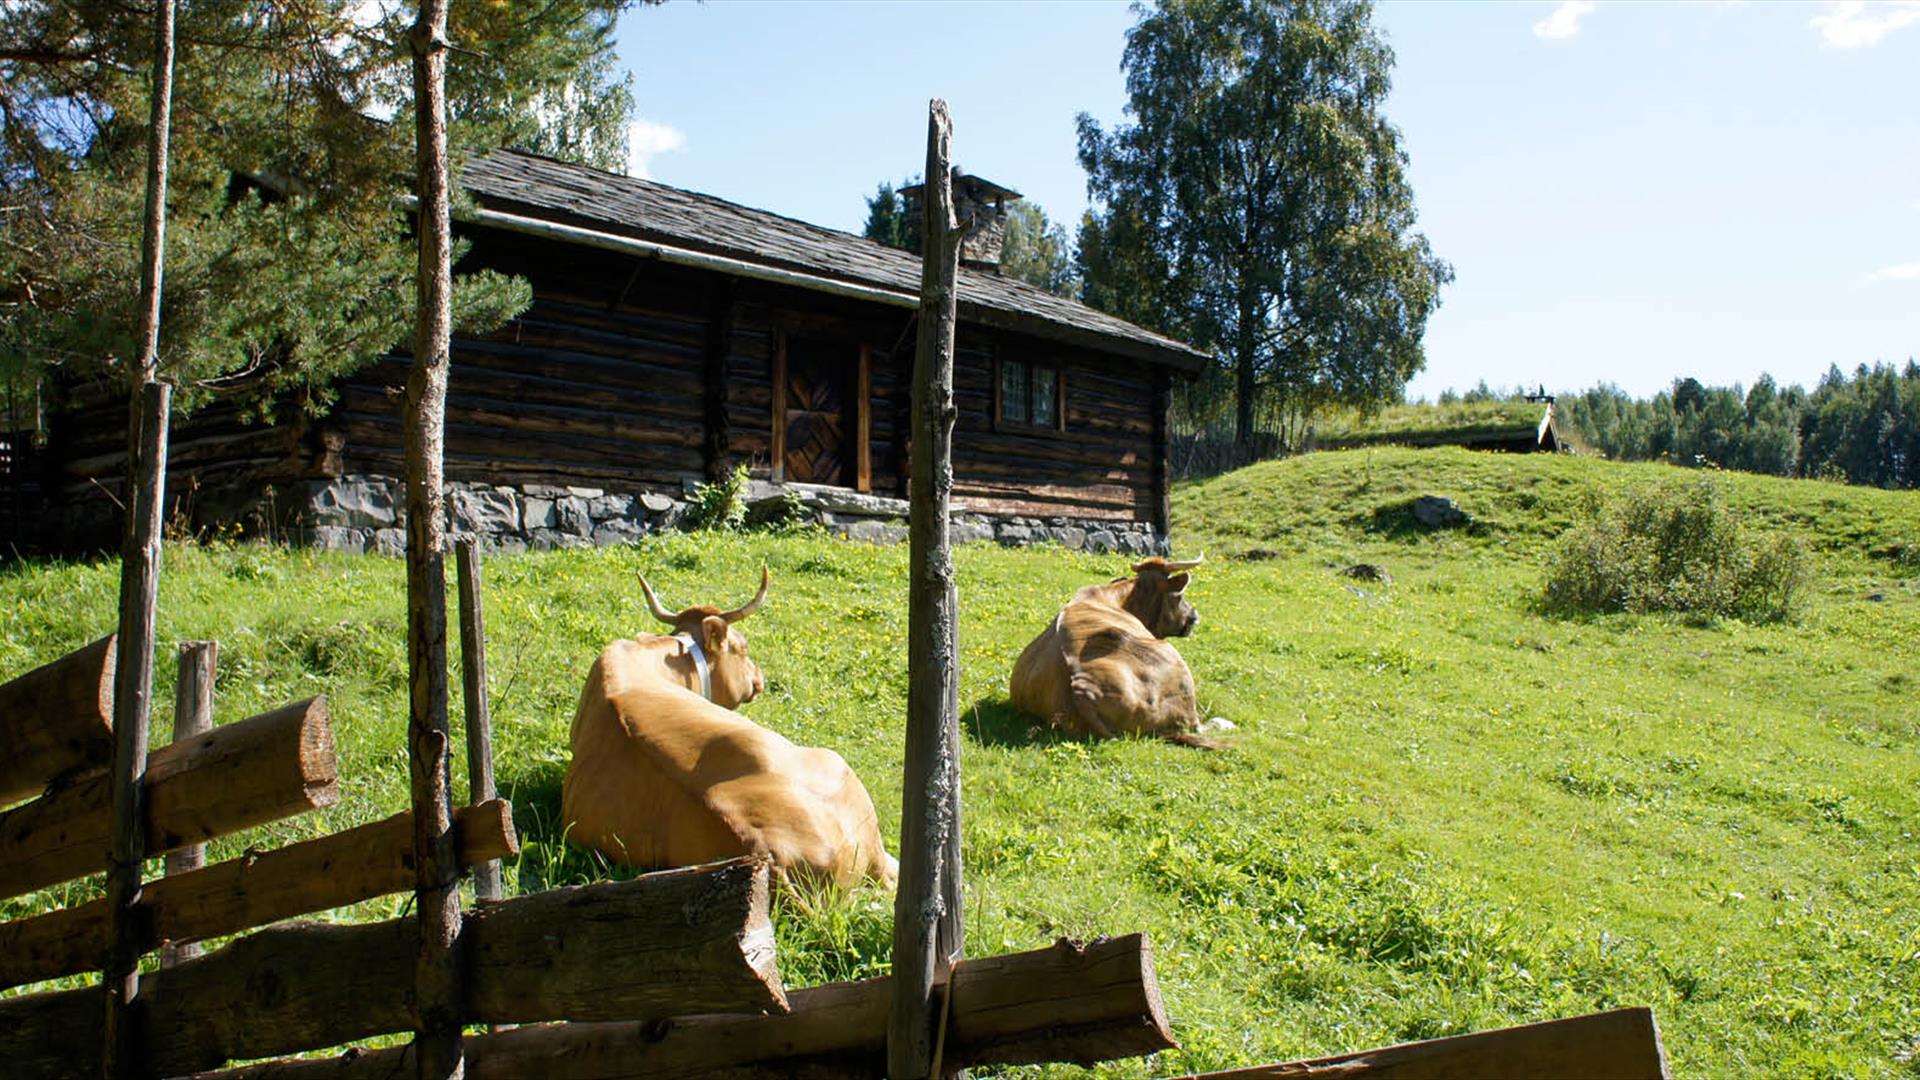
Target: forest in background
x,y
1862,428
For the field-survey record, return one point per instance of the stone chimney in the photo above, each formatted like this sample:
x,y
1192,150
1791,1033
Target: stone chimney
x,y
981,206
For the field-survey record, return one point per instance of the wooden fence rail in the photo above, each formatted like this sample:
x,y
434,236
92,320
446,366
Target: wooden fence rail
x,y
57,720
641,949
1066,1003
252,890
262,769
1622,1044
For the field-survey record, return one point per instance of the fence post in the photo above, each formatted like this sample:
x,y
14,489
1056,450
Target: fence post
x,y
192,715
926,912
473,676
133,709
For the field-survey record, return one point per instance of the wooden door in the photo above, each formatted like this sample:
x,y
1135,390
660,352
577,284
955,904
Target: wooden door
x,y
820,413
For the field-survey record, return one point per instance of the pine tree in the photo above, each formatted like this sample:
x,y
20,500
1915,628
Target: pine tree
x,y
289,261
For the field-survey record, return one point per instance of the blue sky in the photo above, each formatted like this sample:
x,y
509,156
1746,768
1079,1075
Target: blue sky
x,y
1628,192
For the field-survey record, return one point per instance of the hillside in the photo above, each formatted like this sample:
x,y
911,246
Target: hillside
x,y
1429,425
1442,811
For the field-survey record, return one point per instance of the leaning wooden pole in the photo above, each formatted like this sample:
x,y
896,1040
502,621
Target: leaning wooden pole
x,y
192,715
436,867
139,589
473,685
926,910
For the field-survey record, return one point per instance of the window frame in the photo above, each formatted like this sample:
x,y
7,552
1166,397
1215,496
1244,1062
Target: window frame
x,y
1001,422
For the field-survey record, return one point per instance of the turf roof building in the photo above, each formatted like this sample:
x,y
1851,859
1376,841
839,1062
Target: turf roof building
x,y
672,337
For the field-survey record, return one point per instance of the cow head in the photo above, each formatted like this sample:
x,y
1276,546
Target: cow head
x,y
736,678
1159,597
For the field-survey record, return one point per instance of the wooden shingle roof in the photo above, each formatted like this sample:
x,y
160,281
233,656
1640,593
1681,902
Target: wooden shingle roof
x,y
576,194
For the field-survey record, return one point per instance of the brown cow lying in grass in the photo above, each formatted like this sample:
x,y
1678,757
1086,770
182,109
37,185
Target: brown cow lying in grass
x,y
1103,669
665,773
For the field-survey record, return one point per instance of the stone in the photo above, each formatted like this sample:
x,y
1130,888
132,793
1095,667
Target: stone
x,y
966,532
655,503
390,542
875,532
1438,512
337,538
1071,537
617,531
551,539
356,502
1218,725
570,516
1012,535
543,491
504,545
842,501
482,511
1101,542
611,506
585,492
1367,571
536,514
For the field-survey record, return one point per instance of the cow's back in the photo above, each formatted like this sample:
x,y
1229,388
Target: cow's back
x,y
627,790
1098,671
662,777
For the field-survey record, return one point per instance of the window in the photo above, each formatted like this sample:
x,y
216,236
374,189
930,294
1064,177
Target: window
x,y
1030,396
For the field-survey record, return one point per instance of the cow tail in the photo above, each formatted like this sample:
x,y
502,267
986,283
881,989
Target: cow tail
x,y
1195,740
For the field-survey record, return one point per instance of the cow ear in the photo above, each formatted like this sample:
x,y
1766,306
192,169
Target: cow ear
x,y
1178,582
713,631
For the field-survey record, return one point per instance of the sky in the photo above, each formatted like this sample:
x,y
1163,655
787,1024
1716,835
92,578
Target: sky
x,y
1628,193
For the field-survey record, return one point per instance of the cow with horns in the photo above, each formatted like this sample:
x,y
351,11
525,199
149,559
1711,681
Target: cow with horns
x,y
665,773
1104,668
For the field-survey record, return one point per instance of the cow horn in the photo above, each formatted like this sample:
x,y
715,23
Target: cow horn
x,y
1185,564
753,605
653,604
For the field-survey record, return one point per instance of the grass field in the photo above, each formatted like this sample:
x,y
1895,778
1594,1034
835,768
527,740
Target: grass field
x,y
1424,424
1442,811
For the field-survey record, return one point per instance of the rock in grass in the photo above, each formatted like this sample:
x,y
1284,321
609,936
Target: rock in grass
x,y
1438,512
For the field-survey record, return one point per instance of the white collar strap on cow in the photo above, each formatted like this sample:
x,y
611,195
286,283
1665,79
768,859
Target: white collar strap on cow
x,y
699,663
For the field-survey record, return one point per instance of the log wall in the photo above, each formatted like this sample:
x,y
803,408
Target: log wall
x,y
629,376
605,380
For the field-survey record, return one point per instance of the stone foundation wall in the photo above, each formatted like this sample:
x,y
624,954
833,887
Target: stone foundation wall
x,y
367,513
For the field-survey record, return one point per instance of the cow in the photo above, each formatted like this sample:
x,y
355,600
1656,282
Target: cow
x,y
1104,667
665,773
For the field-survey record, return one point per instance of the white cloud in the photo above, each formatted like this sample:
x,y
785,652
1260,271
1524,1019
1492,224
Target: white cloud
x,y
647,139
1901,272
1565,20
1854,24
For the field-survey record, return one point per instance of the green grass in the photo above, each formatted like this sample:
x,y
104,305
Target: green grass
x,y
1443,810
1428,424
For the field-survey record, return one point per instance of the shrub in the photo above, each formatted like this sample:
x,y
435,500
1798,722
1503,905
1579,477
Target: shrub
x,y
1675,548
721,504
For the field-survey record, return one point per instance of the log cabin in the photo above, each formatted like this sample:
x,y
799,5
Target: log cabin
x,y
672,337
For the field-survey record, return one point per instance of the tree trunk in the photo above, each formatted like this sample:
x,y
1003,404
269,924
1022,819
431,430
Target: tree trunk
x,y
927,932
139,584
436,975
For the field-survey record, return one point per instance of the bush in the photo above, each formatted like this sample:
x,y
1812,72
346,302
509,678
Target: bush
x,y
721,504
1675,548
